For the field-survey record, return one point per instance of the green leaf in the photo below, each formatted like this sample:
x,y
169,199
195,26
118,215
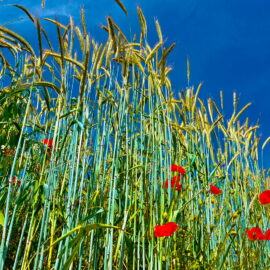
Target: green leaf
x,y
46,191
2,219
226,253
196,265
93,214
85,229
75,250
73,243
80,124
3,198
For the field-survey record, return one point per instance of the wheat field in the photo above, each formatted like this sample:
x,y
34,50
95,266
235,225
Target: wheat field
x,y
103,166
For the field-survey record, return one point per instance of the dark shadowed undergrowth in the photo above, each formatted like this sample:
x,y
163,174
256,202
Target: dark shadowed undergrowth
x,y
89,134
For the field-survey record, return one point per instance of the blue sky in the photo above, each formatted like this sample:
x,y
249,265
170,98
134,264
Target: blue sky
x,y
227,41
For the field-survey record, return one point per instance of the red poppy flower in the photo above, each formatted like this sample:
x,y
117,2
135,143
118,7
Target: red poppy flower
x,y
255,234
165,230
8,152
5,152
267,235
173,182
175,168
265,197
19,183
49,142
215,190
13,180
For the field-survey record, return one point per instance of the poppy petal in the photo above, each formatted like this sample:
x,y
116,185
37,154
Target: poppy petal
x,y
45,141
159,231
165,230
170,228
255,234
173,182
215,190
175,168
265,197
267,235
49,142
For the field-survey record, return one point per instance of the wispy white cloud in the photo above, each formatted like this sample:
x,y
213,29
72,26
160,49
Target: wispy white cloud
x,y
52,8
59,9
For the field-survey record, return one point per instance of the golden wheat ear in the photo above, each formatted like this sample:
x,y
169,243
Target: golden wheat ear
x,y
120,4
142,21
112,34
39,39
34,21
188,71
